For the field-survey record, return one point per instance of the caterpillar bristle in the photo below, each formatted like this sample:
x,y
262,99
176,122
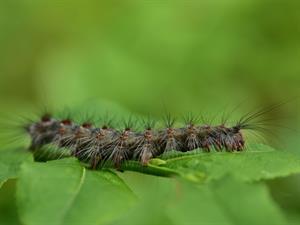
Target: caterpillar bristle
x,y
148,123
99,145
190,136
105,145
191,119
169,121
145,146
129,123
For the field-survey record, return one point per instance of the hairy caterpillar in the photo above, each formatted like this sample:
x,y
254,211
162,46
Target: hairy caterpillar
x,y
100,145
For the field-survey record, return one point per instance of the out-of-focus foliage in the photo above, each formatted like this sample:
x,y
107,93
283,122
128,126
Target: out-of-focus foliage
x,y
153,56
68,193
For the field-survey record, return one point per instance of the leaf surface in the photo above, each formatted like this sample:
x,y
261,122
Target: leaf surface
x,y
10,162
63,192
227,201
260,162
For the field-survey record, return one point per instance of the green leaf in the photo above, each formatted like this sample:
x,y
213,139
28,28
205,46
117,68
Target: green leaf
x,y
226,201
2,182
64,192
8,209
261,162
10,162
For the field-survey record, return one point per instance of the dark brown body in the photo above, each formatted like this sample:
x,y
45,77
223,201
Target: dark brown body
x,y
99,145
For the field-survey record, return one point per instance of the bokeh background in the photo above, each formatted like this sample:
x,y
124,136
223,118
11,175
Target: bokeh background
x,y
152,56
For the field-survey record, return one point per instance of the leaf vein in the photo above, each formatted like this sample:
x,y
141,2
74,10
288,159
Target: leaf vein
x,y
78,188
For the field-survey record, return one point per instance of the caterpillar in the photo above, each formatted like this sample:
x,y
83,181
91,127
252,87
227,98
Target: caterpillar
x,y
106,144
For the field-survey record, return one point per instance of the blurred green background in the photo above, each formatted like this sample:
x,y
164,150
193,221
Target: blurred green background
x,y
152,56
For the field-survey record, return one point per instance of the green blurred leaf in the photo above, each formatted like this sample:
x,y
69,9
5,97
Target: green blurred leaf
x,y
8,209
64,192
259,162
226,201
2,182
10,162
